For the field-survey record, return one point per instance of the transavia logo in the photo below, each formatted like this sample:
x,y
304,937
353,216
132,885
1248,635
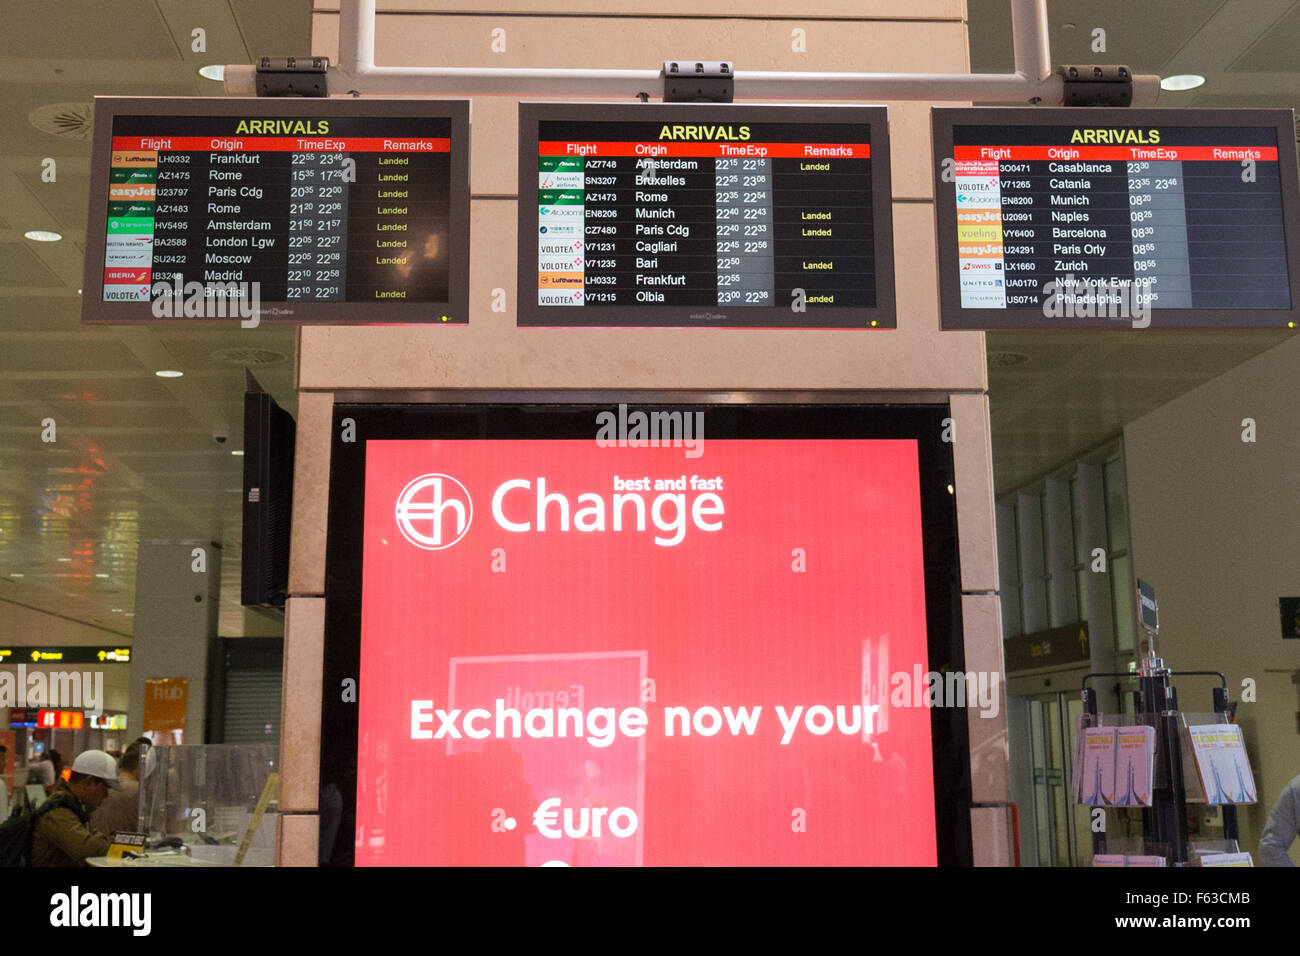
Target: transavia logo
x,y
423,511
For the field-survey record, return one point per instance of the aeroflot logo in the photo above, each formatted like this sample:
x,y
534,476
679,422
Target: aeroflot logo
x,y
434,511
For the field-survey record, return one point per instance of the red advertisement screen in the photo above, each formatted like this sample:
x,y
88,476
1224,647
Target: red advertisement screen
x,y
575,654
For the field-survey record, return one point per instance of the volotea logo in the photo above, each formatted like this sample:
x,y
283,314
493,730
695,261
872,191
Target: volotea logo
x,y
422,511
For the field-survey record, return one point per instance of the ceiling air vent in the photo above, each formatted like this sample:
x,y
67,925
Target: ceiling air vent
x,y
1007,359
69,120
252,358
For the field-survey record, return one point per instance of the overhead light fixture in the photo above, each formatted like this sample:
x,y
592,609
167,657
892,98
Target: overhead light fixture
x,y
64,560
16,574
42,235
1183,81
168,373
213,71
101,574
237,452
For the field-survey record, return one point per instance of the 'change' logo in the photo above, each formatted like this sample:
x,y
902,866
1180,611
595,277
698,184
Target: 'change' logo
x,y
424,503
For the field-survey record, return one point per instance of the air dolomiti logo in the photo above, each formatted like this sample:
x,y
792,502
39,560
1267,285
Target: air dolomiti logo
x,y
434,511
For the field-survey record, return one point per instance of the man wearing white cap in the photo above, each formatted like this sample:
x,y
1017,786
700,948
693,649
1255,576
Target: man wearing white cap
x,y
62,834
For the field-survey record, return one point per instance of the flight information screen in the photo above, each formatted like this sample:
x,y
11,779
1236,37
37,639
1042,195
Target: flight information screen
x,y
1107,218
328,210
688,215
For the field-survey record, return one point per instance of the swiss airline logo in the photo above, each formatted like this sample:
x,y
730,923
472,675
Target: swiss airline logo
x,y
434,511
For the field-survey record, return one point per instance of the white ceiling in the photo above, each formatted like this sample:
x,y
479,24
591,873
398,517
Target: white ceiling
x,y
134,457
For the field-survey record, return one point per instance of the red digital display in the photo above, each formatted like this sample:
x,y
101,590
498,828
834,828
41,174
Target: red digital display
x,y
60,719
583,655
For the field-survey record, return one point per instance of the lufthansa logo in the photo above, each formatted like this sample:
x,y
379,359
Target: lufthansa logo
x,y
425,510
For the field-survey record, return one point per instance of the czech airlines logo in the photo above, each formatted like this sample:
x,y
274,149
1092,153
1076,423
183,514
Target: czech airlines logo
x,y
427,509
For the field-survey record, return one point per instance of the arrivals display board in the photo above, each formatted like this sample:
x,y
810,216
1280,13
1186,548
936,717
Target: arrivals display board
x,y
697,215
1113,218
278,209
624,635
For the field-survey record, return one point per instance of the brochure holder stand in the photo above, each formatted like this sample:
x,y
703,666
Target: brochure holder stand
x,y
1164,821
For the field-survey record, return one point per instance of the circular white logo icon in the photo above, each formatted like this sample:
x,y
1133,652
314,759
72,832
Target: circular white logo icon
x,y
423,511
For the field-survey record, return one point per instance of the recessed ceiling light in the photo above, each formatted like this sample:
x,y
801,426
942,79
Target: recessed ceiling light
x,y
214,71
16,575
65,560
1183,81
168,373
42,235
101,575
116,610
237,452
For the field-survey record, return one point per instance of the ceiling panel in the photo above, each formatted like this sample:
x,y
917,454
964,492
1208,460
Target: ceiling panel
x,y
85,29
1275,50
279,29
20,266
65,357
65,200
1143,35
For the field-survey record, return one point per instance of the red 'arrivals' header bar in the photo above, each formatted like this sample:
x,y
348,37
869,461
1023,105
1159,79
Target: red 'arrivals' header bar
x,y
282,144
711,150
1230,154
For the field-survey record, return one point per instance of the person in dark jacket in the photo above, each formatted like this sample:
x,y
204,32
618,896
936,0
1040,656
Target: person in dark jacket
x,y
62,834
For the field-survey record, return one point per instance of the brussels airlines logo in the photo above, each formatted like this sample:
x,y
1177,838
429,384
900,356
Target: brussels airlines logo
x,y
423,505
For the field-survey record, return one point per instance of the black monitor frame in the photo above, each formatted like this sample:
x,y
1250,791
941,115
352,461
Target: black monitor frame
x,y
954,317
532,416
95,311
532,315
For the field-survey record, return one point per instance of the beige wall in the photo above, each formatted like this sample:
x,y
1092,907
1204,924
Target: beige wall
x,y
491,353
1215,526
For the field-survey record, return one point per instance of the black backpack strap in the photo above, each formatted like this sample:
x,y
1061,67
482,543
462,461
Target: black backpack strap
x,y
63,801
58,801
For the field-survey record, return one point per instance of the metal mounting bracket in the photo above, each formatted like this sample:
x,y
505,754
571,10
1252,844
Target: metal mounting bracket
x,y
699,81
292,76
1097,85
